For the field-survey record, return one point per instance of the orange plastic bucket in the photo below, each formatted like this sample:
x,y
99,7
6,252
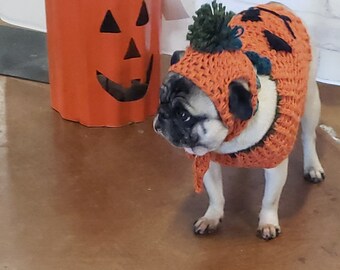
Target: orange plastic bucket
x,y
104,59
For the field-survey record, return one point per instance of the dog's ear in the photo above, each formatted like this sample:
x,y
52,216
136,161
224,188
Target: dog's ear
x,y
240,101
177,55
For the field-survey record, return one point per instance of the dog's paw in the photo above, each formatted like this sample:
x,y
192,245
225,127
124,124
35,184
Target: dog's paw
x,y
206,226
314,175
268,231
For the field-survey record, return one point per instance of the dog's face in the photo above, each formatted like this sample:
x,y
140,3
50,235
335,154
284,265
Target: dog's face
x,y
187,118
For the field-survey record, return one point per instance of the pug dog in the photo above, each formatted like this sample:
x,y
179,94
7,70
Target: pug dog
x,y
188,119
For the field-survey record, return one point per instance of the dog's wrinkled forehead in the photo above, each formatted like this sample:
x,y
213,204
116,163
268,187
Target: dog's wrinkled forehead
x,y
196,101
174,85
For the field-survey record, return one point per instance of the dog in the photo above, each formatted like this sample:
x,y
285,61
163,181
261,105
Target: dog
x,y
189,119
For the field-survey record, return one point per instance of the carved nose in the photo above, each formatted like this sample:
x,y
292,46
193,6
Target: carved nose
x,y
132,51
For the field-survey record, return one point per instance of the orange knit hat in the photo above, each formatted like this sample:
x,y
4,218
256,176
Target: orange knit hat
x,y
213,73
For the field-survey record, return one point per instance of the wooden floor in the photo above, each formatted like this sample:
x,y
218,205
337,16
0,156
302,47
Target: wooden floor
x,y
78,198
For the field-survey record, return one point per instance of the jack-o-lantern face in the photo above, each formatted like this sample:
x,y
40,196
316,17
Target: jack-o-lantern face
x,y
104,60
137,87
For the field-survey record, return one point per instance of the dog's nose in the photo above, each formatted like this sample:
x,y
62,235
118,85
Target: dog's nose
x,y
189,141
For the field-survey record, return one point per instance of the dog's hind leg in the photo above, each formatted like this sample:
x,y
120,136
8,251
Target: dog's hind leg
x,y
214,187
269,227
313,170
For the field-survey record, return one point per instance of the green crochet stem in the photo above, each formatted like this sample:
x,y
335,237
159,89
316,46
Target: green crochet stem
x,y
210,32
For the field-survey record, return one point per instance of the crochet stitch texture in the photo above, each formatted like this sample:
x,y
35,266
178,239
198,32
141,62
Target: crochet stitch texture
x,y
271,31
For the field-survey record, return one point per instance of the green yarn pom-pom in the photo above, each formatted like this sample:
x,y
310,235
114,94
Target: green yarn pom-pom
x,y
210,32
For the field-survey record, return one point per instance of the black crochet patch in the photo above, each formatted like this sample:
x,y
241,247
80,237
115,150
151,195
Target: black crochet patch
x,y
252,14
262,64
276,43
284,18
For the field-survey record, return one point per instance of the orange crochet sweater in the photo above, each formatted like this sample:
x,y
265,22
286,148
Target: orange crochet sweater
x,y
264,27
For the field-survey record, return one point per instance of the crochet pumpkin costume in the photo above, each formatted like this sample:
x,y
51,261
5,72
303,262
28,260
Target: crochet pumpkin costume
x,y
225,47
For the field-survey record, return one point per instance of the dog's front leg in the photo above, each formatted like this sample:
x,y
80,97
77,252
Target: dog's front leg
x,y
214,187
269,227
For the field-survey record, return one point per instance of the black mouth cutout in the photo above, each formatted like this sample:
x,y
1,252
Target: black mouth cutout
x,y
136,91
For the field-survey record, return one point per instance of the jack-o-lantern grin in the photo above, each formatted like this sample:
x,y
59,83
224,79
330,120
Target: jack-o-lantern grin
x,y
135,91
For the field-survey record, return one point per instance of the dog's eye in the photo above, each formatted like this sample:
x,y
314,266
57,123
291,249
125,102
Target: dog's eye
x,y
185,116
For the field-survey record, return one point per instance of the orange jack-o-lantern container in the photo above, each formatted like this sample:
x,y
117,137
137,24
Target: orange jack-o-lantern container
x,y
104,59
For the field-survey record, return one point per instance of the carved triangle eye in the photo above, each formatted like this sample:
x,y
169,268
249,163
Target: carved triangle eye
x,y
143,17
109,24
